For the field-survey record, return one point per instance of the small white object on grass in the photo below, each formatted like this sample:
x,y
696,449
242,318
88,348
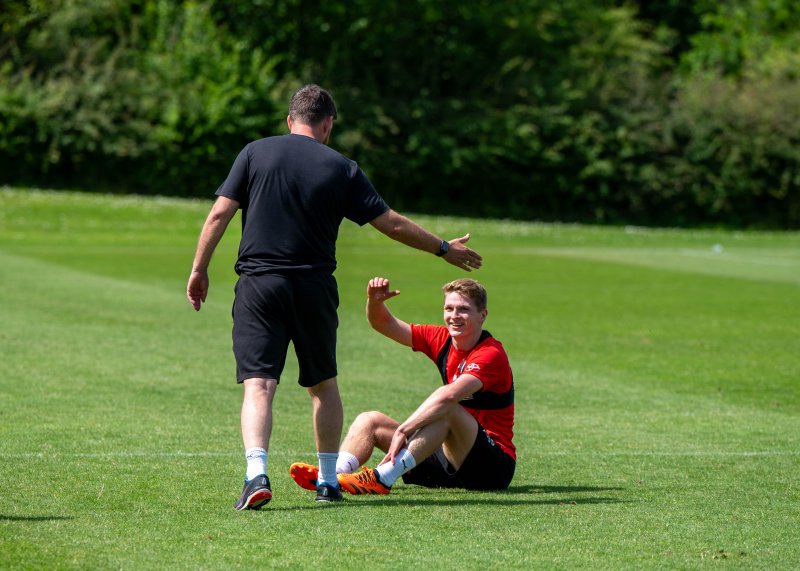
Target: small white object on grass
x,y
717,248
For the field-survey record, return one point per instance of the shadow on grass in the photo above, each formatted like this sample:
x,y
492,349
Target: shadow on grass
x,y
531,489
514,496
372,501
34,518
496,501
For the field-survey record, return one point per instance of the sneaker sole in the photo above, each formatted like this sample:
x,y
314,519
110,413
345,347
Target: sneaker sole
x,y
257,500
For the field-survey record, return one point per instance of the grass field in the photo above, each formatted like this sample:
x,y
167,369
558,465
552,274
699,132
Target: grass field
x,y
657,382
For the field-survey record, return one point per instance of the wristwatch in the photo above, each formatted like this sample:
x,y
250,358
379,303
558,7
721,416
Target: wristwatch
x,y
444,247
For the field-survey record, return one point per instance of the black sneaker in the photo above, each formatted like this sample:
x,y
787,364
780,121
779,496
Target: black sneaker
x,y
329,493
255,495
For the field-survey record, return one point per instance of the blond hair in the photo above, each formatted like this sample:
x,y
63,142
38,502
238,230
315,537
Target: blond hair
x,y
470,289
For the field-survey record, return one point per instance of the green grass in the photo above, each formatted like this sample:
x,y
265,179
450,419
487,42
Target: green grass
x,y
658,410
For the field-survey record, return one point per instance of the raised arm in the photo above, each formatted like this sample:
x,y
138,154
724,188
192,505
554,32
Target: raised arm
x,y
213,229
379,316
398,227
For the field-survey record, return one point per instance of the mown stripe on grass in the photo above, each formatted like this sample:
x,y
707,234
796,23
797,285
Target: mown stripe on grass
x,y
755,264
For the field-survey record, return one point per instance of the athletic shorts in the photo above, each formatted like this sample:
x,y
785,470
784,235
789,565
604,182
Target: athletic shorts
x,y
486,467
270,310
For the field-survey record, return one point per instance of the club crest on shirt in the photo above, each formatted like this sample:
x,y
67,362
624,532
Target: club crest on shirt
x,y
463,367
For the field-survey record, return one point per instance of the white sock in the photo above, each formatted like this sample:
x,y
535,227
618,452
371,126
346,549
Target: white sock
x,y
256,462
327,468
389,473
347,463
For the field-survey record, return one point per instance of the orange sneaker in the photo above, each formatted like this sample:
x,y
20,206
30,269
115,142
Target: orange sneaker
x,y
364,482
304,475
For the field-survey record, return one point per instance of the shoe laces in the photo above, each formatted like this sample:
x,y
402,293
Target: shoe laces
x,y
367,476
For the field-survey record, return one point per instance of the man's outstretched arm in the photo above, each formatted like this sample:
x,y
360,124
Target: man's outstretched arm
x,y
398,227
213,229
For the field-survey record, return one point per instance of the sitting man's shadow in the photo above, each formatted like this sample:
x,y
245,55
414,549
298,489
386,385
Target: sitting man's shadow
x,y
586,494
524,494
540,489
33,518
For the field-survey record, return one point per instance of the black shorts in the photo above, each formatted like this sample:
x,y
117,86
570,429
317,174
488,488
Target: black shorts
x,y
270,310
486,467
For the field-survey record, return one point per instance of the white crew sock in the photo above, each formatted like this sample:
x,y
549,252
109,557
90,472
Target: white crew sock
x,y
327,468
389,473
256,462
347,463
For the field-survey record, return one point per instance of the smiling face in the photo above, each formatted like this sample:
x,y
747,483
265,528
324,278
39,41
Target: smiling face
x,y
462,317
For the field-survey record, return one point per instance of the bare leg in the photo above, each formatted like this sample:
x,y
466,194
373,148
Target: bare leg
x,y
327,415
455,434
369,430
257,412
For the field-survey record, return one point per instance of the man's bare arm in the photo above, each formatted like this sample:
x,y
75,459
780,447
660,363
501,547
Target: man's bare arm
x,y
380,318
212,232
406,231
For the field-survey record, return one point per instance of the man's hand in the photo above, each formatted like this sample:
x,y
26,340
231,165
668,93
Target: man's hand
x,y
197,288
399,441
378,290
379,316
461,256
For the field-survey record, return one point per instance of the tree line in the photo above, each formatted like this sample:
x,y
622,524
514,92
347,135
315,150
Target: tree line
x,y
672,112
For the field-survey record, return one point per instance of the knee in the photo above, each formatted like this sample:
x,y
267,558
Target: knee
x,y
259,388
369,420
326,389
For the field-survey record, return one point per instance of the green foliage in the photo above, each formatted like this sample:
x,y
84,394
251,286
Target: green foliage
x,y
615,112
740,146
735,118
745,34
679,19
439,107
147,96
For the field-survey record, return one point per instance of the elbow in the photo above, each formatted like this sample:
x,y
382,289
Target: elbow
x,y
215,219
219,216
222,211
391,224
382,326
446,398
394,230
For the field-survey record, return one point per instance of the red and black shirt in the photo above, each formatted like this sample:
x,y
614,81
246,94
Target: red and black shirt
x,y
488,362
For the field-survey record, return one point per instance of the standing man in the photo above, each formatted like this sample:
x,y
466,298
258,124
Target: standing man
x,y
294,192
461,435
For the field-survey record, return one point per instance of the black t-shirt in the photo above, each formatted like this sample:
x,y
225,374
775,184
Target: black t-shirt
x,y
294,192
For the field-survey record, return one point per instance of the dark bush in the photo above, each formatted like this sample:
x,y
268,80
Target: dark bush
x,y
683,114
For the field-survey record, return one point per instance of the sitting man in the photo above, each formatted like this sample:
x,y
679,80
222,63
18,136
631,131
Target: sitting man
x,y
461,435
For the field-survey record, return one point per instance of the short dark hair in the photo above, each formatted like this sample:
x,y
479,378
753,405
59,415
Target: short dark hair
x,y
470,289
311,104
